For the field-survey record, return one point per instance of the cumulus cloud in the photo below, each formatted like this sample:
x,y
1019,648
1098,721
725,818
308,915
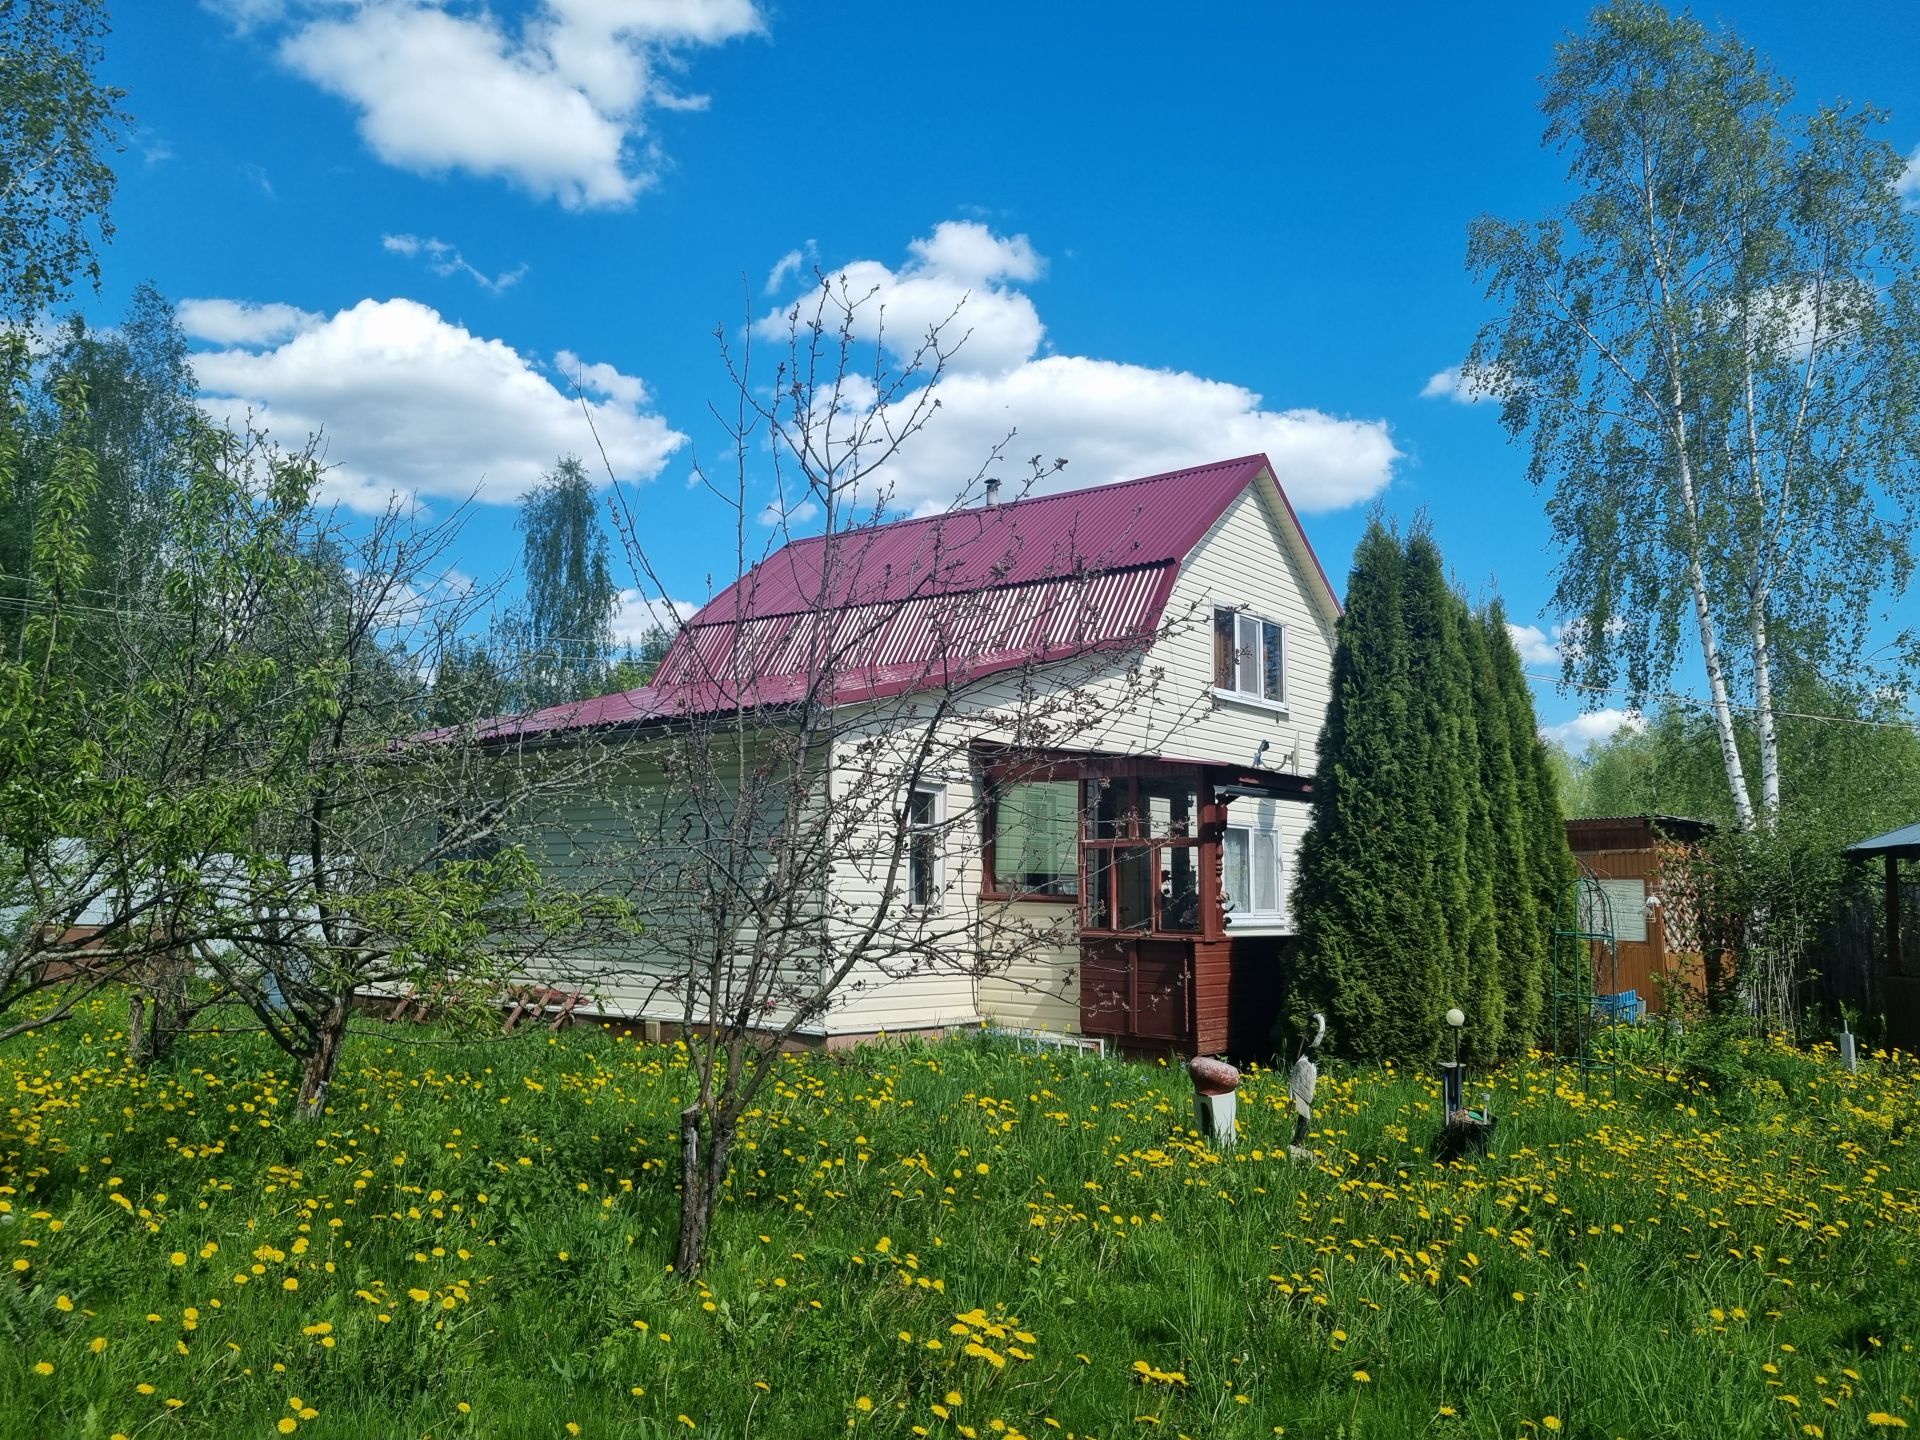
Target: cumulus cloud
x,y
639,616
1110,420
409,402
953,282
1451,384
1909,183
1534,646
557,104
241,322
445,260
1592,728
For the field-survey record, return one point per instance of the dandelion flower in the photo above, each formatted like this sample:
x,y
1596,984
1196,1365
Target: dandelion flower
x,y
1360,1377
286,1425
43,1367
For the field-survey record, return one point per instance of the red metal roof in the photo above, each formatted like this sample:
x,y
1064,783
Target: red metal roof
x,y
934,600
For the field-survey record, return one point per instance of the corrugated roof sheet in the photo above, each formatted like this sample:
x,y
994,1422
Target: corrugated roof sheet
x,y
941,598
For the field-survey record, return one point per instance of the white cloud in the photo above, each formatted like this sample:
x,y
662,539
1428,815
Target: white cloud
x,y
1534,646
1451,384
1110,420
1000,326
1908,186
409,402
600,378
638,616
445,259
1592,728
786,265
794,516
557,104
241,322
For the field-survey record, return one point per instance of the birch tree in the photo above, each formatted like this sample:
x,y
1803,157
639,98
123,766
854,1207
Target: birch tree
x,y
1714,353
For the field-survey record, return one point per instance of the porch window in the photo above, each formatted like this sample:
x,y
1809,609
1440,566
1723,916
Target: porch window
x,y
1034,831
1251,876
1142,844
923,848
1249,656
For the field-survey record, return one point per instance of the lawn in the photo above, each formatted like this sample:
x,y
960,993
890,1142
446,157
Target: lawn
x,y
955,1240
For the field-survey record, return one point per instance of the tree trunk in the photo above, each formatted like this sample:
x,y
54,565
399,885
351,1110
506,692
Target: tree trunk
x,y
316,1075
157,1012
1763,706
704,1149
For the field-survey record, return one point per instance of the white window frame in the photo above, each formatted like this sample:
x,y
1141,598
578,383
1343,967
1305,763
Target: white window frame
x,y
1243,916
934,825
1232,693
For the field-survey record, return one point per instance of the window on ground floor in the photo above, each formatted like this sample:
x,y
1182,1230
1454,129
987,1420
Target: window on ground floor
x,y
923,847
1034,835
1251,876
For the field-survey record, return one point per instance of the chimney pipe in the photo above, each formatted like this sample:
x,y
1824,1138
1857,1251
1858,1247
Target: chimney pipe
x,y
993,494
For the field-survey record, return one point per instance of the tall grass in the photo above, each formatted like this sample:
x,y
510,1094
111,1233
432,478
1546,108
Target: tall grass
x,y
950,1240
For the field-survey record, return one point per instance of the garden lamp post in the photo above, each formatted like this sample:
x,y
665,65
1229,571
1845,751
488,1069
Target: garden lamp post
x,y
1452,1072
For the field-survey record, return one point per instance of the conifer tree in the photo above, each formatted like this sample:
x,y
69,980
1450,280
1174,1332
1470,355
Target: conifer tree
x,y
1443,745
1549,862
1491,870
1368,957
1510,851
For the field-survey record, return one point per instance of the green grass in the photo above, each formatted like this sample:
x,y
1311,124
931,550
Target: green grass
x,y
482,1229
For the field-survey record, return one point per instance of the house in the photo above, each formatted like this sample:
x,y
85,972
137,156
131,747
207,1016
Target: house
x,y
1130,682
1635,885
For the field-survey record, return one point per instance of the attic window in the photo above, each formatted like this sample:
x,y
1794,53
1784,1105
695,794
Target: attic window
x,y
1249,656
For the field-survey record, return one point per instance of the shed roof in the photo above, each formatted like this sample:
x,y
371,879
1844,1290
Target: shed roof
x,y
939,598
1902,844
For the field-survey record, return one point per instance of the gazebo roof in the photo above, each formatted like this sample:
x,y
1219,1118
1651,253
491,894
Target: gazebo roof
x,y
1901,844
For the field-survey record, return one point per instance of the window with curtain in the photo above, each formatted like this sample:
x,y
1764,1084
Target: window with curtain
x,y
1250,873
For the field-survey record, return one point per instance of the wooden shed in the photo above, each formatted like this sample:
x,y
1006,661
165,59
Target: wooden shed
x,y
1641,864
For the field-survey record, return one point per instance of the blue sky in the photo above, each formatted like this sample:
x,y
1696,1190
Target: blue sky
x,y
1184,238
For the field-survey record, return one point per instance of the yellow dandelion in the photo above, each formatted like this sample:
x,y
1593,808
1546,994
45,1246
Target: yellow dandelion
x,y
179,1257
286,1425
43,1367
1885,1420
1360,1377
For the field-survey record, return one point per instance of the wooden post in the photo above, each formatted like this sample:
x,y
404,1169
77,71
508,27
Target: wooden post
x,y
1893,915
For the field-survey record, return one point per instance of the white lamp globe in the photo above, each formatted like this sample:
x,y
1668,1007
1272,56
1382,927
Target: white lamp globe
x,y
1456,1017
